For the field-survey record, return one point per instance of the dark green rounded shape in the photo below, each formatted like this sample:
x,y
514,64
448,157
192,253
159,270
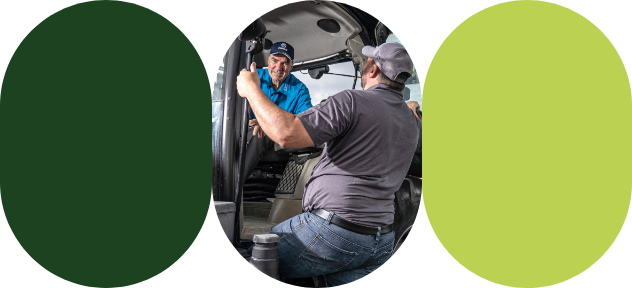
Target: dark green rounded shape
x,y
105,159
527,144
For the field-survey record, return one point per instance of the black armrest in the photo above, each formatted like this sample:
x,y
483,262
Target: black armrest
x,y
286,152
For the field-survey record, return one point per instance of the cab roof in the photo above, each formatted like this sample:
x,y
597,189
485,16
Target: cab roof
x,y
297,24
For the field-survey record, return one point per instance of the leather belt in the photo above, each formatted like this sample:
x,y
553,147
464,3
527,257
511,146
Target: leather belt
x,y
353,227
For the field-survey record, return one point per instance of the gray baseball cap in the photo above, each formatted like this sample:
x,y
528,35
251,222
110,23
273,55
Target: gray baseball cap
x,y
392,59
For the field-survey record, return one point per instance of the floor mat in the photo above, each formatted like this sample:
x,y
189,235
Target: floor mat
x,y
255,225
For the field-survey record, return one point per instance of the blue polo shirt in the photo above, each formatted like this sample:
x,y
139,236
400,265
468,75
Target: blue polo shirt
x,y
292,96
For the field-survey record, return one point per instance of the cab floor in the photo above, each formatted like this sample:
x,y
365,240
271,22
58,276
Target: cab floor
x,y
255,225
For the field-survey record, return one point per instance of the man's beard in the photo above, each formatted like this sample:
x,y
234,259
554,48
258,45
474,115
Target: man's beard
x,y
362,74
362,81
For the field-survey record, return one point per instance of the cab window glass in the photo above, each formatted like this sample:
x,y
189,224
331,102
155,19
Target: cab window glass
x,y
328,85
218,103
218,85
413,82
218,114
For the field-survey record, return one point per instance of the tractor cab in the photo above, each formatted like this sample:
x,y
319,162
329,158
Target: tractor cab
x,y
327,38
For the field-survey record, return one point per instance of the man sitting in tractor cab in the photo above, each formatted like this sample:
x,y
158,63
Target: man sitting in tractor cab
x,y
284,90
370,136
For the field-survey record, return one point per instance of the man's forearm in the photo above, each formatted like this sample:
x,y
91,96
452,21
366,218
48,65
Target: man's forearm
x,y
275,121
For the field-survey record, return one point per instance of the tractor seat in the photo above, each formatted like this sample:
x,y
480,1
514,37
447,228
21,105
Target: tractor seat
x,y
289,192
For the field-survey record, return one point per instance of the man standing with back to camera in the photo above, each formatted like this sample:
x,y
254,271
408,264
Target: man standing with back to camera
x,y
370,137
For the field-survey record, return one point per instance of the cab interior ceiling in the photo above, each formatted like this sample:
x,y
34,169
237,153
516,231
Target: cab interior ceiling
x,y
296,24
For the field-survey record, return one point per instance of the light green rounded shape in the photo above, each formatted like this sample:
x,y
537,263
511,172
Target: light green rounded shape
x,y
527,151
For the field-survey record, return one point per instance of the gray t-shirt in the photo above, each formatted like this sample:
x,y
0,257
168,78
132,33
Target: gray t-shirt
x,y
370,137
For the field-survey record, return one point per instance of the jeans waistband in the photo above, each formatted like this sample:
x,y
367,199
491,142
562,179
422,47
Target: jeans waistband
x,y
353,227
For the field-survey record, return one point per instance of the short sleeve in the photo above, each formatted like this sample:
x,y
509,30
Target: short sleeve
x,y
328,119
261,72
304,100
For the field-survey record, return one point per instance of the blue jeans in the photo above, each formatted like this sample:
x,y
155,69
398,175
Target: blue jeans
x,y
311,246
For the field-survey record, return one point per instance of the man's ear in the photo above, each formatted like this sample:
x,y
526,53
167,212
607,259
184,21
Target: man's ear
x,y
374,71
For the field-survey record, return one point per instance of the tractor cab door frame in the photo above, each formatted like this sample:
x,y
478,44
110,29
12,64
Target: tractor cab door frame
x,y
226,140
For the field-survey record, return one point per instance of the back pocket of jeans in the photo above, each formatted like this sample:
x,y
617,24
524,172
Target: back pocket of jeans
x,y
387,255
381,259
324,257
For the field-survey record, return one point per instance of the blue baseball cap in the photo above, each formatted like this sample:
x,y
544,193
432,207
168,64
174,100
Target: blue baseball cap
x,y
283,48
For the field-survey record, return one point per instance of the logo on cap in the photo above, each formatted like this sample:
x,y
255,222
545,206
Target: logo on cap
x,y
283,46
